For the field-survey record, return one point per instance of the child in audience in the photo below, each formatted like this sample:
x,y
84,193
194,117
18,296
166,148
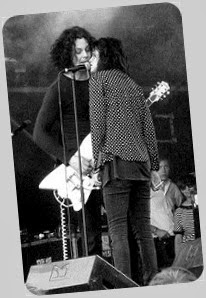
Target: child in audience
x,y
186,217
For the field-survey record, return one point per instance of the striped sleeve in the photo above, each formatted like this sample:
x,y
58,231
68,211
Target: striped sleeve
x,y
178,228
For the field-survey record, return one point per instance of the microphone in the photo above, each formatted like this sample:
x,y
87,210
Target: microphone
x,y
24,124
85,66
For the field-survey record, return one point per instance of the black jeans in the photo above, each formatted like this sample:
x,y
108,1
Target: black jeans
x,y
165,251
93,224
128,202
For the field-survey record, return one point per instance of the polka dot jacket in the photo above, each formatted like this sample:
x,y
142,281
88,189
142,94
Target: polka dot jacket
x,y
120,120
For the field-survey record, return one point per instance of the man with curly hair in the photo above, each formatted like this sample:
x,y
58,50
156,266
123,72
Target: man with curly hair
x,y
72,48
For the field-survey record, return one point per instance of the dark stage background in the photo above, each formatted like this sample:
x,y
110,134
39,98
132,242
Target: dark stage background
x,y
152,36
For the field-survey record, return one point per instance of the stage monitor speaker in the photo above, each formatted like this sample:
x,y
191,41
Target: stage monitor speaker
x,y
76,275
40,252
190,257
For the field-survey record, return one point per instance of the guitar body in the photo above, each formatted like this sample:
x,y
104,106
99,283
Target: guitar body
x,y
66,181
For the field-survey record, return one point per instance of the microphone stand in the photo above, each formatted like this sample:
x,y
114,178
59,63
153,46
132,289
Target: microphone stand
x,y
65,162
84,234
80,166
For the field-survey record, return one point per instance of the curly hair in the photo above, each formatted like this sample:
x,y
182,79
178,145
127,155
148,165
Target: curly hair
x,y
61,52
111,54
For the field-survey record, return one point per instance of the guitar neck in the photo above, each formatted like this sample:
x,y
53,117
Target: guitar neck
x,y
156,94
149,102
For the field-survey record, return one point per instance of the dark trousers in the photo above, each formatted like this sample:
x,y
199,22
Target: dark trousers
x,y
93,224
127,204
165,251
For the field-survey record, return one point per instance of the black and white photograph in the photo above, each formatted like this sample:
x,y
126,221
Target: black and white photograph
x,y
103,158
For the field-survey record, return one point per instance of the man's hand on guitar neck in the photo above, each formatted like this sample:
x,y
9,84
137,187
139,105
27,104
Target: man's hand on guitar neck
x,y
87,165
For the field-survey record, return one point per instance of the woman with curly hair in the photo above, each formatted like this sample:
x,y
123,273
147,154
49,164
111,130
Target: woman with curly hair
x,y
71,49
125,151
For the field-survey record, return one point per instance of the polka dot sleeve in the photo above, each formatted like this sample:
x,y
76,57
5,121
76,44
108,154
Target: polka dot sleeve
x,y
149,133
97,117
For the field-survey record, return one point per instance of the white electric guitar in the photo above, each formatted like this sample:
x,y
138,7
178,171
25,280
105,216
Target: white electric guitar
x,y
65,181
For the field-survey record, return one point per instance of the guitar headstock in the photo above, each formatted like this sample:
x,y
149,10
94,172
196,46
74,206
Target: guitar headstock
x,y
159,92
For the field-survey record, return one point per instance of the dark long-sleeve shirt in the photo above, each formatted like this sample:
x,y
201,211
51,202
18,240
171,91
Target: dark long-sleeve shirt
x,y
121,123
47,130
